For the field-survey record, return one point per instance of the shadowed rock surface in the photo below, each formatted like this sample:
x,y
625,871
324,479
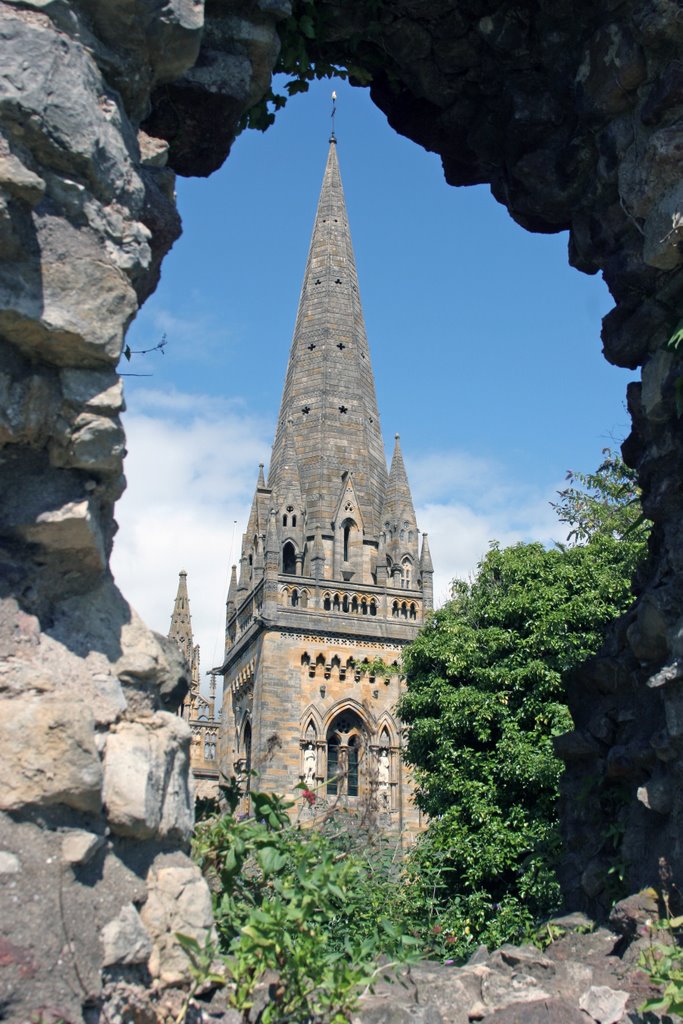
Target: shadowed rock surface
x,y
572,111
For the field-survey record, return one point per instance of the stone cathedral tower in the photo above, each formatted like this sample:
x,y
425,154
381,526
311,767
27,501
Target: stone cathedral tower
x,y
331,578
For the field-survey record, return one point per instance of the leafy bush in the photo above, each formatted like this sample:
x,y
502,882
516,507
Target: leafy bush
x,y
307,904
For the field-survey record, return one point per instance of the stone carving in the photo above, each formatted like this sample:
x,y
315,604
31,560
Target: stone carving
x,y
383,778
310,761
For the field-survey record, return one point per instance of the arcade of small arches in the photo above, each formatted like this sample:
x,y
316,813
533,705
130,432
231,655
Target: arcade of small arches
x,y
357,605
403,610
295,597
244,679
346,755
353,604
326,666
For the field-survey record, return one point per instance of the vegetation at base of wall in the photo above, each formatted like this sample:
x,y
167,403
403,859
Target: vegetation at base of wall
x,y
662,958
485,697
308,908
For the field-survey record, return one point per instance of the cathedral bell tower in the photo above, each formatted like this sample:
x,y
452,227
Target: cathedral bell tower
x,y
331,583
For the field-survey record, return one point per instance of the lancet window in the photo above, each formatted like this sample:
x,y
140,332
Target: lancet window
x,y
289,559
345,745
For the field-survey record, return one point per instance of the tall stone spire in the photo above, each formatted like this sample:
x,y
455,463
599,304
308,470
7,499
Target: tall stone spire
x,y
180,629
329,571
329,393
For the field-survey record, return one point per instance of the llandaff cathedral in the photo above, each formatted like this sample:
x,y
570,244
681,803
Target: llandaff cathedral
x,y
332,580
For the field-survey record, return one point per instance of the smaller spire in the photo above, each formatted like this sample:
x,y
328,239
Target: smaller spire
x,y
180,629
232,589
287,486
426,557
398,500
427,574
261,482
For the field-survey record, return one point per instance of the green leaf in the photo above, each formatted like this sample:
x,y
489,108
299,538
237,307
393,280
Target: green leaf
x,y
271,859
307,27
675,342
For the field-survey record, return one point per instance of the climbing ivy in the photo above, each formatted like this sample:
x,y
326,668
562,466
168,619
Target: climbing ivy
x,y
303,56
675,346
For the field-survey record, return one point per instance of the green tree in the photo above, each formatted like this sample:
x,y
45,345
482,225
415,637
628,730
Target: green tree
x,y
485,696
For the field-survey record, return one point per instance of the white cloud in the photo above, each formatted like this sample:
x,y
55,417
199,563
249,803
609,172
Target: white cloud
x,y
191,471
191,474
464,503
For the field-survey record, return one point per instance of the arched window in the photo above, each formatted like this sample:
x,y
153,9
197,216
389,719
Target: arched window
x,y
327,603
345,742
354,604
295,598
303,599
404,611
406,573
347,535
345,603
293,520
373,608
413,612
284,520
289,559
394,610
335,603
364,607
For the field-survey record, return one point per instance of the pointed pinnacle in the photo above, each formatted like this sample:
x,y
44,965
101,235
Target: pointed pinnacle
x,y
426,557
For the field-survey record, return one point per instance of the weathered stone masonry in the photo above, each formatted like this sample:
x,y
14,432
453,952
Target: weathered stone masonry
x,y
572,110
95,810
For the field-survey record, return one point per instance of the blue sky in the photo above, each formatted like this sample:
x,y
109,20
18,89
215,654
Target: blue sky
x,y
485,347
